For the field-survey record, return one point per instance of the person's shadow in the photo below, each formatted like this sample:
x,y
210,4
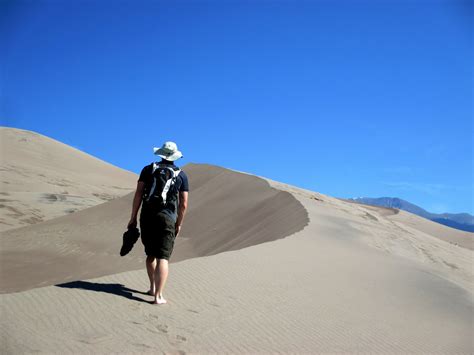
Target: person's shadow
x,y
115,289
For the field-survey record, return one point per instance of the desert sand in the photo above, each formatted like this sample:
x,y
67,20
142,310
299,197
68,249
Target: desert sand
x,y
260,267
42,178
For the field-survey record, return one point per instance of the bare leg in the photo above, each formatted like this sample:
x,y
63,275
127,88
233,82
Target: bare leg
x,y
150,268
161,274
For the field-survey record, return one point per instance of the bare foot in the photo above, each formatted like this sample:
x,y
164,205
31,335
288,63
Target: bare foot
x,y
150,292
159,300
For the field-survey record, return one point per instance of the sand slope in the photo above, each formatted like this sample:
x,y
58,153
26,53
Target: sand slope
x,y
350,281
227,211
411,221
454,236
42,178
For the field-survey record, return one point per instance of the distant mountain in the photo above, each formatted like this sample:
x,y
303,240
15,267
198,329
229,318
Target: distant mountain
x,y
461,221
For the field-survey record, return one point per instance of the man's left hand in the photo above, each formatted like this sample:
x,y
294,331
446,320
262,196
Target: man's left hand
x,y
177,229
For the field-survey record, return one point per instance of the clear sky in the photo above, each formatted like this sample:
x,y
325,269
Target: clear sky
x,y
348,98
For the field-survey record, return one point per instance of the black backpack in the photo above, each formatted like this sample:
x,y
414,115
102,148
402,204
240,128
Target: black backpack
x,y
162,191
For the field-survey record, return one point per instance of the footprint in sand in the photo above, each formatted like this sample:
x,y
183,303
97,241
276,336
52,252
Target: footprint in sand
x,y
180,338
143,345
177,339
162,328
94,339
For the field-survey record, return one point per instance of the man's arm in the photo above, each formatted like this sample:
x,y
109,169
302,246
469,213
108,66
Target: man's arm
x,y
137,201
183,205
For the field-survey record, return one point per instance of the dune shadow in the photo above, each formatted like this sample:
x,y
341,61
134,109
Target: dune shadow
x,y
115,289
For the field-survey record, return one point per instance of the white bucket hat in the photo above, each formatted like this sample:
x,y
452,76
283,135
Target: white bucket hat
x,y
168,151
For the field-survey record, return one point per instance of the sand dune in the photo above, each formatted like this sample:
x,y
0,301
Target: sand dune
x,y
228,211
42,178
412,221
260,267
350,281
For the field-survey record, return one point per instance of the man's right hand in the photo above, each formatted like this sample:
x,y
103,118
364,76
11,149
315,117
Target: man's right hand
x,y
132,223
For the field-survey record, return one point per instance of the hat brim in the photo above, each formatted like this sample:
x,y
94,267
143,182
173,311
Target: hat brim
x,y
170,157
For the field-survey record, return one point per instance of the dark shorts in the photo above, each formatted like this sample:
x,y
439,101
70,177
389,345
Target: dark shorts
x,y
157,234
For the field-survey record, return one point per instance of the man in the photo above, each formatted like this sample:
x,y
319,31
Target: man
x,y
162,190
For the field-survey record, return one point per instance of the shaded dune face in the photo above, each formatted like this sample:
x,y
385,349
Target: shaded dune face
x,y
227,211
230,211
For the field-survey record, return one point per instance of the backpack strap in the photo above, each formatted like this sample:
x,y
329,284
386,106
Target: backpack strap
x,y
153,186
168,184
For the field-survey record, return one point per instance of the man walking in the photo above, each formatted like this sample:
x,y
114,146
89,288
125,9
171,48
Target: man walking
x,y
162,190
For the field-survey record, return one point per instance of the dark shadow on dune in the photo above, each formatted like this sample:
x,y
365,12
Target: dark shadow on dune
x,y
115,289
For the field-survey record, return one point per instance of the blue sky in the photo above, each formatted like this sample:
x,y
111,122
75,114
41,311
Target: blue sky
x,y
348,98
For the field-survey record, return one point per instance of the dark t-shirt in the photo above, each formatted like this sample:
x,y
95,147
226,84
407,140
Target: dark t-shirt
x,y
181,184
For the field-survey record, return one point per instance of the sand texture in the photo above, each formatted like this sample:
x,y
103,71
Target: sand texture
x,y
42,178
260,267
328,288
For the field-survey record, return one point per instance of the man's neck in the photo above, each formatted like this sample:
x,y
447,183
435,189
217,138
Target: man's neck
x,y
164,161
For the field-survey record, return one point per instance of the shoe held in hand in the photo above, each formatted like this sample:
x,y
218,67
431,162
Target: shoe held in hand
x,y
129,239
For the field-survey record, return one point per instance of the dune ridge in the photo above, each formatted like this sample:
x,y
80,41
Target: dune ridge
x,y
394,232
227,211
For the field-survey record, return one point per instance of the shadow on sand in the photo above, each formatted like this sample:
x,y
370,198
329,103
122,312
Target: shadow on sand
x,y
115,289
